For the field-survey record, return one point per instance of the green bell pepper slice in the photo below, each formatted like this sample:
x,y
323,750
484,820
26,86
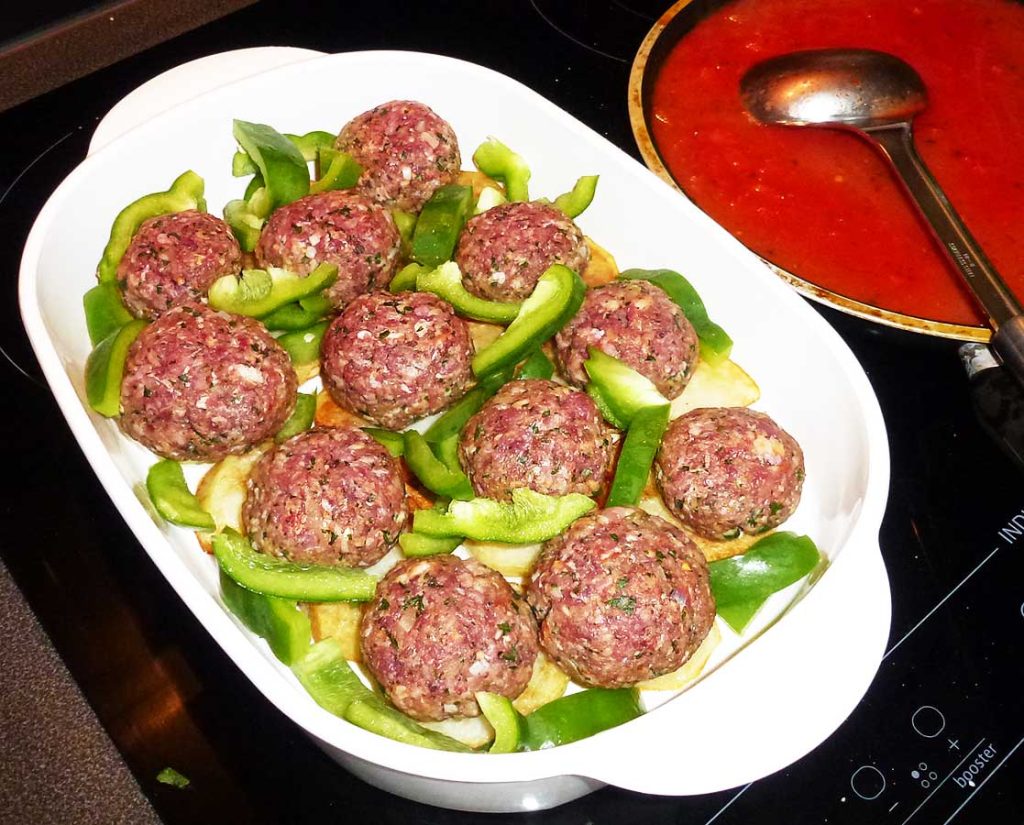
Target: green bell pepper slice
x,y
556,298
715,343
529,518
446,282
741,584
289,580
637,455
620,388
285,627
338,170
301,418
104,369
452,420
186,193
258,292
309,146
405,279
165,483
393,442
576,200
439,224
280,163
436,475
299,314
303,345
333,685
416,545
537,365
504,718
405,222
105,312
497,161
577,716
244,222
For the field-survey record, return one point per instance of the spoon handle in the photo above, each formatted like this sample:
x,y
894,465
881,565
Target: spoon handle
x,y
1005,312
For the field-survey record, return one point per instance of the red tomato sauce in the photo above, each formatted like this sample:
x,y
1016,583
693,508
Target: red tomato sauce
x,y
823,204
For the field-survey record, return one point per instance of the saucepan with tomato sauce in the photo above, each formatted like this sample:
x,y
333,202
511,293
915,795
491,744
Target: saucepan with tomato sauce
x,y
822,207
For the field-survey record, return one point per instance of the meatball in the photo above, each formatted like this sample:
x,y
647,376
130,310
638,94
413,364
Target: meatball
x,y
326,497
636,322
441,628
406,150
337,227
396,358
727,470
621,596
537,434
199,385
173,259
504,250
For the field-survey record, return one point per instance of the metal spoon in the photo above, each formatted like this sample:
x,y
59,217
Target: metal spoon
x,y
876,95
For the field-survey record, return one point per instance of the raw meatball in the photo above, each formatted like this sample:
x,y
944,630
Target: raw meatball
x,y
326,497
537,434
199,385
397,358
337,227
621,596
442,628
406,150
728,470
503,251
636,322
173,259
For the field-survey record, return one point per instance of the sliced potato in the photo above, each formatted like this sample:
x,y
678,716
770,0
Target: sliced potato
x,y
304,372
513,560
678,679
723,385
483,335
222,491
478,180
601,269
547,683
474,731
339,620
329,414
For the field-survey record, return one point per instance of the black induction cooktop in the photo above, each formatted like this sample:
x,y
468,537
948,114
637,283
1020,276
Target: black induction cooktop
x,y
938,737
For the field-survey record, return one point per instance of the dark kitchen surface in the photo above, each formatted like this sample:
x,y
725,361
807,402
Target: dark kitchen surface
x,y
935,740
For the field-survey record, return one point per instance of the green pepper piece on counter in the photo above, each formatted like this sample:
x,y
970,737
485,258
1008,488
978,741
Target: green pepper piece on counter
x,y
433,473
105,312
620,387
529,518
258,292
169,776
452,420
578,716
393,442
715,343
298,314
308,145
165,483
405,279
339,170
439,224
556,298
303,345
576,200
186,193
272,576
741,584
497,161
285,627
637,455
537,365
280,163
446,282
415,545
505,719
328,677
104,369
301,418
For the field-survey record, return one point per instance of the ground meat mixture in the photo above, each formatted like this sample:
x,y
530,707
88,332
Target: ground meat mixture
x,y
326,496
442,628
173,259
199,385
621,596
727,470
397,358
537,434
503,251
636,322
339,227
406,150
